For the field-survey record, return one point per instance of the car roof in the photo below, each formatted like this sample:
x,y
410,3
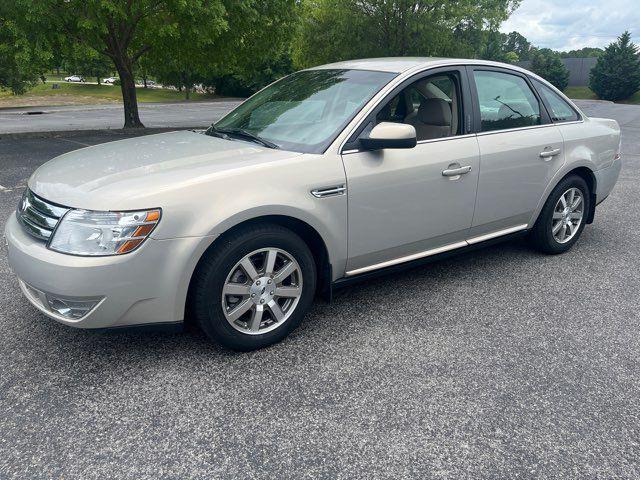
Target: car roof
x,y
403,64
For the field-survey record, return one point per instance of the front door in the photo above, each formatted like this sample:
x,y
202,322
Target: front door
x,y
405,202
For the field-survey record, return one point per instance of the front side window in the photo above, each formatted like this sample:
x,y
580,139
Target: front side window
x,y
305,111
561,111
506,101
432,105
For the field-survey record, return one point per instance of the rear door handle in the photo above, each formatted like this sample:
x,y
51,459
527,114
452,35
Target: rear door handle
x,y
454,172
550,153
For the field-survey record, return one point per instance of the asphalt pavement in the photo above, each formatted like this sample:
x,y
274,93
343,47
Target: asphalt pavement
x,y
501,364
111,116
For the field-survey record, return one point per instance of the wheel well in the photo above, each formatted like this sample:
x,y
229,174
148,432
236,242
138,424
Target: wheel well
x,y
305,231
588,176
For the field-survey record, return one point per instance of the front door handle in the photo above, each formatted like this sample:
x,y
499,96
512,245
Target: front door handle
x,y
456,172
550,153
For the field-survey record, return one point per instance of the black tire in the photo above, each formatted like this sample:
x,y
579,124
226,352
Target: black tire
x,y
213,269
541,236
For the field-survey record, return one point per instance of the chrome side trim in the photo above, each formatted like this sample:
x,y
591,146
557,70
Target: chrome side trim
x,y
499,233
408,258
332,191
435,251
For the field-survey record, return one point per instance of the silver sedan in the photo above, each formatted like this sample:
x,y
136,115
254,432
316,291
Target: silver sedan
x,y
327,176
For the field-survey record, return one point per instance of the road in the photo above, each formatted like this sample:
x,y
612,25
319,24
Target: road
x,y
110,116
502,363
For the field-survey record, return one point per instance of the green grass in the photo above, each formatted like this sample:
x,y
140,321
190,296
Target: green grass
x,y
635,98
105,93
580,93
585,93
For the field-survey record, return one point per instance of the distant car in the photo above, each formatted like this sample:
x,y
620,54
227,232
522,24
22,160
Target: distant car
x,y
74,78
109,80
326,176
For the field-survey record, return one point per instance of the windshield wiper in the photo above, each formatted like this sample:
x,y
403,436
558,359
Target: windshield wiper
x,y
240,132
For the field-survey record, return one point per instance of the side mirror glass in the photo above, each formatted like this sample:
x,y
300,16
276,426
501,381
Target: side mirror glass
x,y
390,135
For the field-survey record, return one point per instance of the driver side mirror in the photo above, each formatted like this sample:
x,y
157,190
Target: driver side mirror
x,y
390,135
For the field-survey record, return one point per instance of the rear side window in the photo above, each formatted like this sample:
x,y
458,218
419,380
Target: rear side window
x,y
506,101
561,111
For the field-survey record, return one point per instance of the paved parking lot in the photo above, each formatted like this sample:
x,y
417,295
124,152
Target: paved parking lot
x,y
498,364
94,117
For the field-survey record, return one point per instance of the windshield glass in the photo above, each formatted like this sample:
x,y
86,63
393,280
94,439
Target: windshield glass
x,y
304,112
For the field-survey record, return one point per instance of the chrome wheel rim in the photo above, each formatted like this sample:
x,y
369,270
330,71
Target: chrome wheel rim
x,y
262,291
567,215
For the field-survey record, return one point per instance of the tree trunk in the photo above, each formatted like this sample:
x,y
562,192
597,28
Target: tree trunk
x,y
129,98
186,92
144,80
98,80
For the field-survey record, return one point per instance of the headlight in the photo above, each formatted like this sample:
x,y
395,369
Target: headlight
x,y
85,232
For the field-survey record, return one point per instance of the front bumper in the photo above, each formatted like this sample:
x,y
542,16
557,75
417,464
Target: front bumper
x,y
147,286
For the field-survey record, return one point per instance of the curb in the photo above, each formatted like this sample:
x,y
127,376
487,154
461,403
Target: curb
x,y
111,131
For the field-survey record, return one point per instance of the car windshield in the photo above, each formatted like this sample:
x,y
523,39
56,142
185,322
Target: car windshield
x,y
305,111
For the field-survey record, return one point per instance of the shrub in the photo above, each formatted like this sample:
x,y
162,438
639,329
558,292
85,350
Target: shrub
x,y
616,75
549,66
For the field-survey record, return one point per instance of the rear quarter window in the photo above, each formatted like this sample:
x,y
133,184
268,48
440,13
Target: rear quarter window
x,y
561,111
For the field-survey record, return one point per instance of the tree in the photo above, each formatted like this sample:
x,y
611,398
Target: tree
x,y
616,75
585,52
22,60
253,36
493,47
515,42
81,60
126,30
334,30
548,65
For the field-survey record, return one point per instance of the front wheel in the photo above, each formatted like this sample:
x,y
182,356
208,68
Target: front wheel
x,y
254,287
563,217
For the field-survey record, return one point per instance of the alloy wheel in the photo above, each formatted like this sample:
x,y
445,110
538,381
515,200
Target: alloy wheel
x,y
261,291
567,215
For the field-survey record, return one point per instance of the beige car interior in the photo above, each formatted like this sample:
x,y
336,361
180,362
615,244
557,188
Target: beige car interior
x,y
427,107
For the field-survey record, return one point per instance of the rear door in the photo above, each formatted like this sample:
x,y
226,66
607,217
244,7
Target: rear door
x,y
520,149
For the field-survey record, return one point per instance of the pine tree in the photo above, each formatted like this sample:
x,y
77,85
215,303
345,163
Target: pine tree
x,y
548,65
616,75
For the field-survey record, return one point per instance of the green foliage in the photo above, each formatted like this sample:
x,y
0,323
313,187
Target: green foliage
x,y
246,84
512,57
81,60
237,50
22,59
549,66
616,75
183,38
333,30
586,52
517,43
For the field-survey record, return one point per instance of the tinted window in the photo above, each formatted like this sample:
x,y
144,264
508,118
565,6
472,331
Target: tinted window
x,y
561,111
506,101
305,111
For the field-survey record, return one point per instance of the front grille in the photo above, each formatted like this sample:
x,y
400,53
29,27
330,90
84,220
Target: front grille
x,y
38,216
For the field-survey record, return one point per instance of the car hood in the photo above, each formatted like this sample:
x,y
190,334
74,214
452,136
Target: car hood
x,y
133,173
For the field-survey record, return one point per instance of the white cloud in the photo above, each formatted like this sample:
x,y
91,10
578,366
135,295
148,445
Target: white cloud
x,y
573,24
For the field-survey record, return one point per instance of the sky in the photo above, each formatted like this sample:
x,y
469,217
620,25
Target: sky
x,y
573,24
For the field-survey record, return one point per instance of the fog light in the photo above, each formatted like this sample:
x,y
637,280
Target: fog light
x,y
73,309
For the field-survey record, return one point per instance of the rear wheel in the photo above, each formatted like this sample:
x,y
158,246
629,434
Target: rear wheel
x,y
254,287
563,217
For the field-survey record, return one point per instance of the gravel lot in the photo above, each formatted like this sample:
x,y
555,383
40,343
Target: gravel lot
x,y
497,364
